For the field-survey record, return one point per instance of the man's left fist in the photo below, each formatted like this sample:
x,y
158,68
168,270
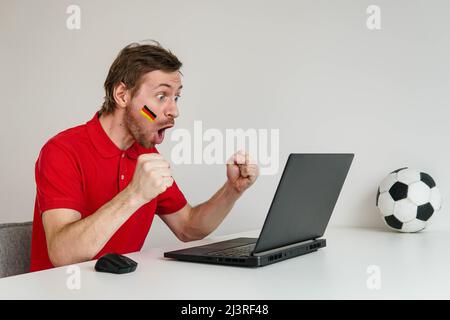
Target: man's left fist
x,y
242,171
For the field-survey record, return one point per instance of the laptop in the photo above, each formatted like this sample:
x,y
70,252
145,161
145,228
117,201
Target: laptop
x,y
298,216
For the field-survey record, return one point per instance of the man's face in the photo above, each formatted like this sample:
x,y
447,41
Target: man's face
x,y
159,91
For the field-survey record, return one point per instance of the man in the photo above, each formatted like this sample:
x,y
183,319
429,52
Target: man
x,y
100,184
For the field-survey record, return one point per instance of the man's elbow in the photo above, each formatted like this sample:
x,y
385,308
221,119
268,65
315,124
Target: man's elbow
x,y
188,238
60,256
57,258
189,234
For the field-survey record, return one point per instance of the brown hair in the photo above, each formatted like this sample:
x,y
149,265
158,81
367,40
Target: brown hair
x,y
131,64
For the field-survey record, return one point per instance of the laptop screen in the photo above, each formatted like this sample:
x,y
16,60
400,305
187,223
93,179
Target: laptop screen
x,y
304,200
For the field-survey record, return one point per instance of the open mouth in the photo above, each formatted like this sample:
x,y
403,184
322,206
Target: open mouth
x,y
162,130
161,133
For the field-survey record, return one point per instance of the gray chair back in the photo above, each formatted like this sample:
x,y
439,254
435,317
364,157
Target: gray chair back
x,y
15,246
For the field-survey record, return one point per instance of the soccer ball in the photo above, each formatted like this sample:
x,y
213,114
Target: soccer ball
x,y
407,199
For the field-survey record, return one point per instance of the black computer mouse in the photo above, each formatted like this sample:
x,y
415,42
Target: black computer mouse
x,y
115,263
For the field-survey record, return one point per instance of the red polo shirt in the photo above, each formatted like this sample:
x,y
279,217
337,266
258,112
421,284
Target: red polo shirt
x,y
82,169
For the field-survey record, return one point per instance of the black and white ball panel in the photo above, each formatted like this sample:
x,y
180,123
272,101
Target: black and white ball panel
x,y
407,199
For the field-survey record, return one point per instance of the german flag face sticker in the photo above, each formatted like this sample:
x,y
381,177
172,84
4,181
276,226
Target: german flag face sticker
x,y
147,113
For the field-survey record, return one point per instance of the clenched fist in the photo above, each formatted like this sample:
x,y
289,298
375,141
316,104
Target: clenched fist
x,y
152,176
242,171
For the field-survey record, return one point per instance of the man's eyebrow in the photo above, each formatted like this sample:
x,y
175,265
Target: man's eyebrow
x,y
168,85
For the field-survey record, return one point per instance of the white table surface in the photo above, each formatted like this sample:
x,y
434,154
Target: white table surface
x,y
412,266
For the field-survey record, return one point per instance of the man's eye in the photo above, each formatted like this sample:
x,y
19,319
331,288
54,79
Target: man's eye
x,y
177,97
161,97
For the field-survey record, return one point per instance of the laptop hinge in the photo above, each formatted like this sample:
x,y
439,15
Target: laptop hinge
x,y
263,253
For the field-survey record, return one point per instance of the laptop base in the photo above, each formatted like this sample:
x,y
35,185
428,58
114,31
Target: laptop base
x,y
203,254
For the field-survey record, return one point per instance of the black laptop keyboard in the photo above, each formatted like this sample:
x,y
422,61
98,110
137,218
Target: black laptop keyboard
x,y
242,251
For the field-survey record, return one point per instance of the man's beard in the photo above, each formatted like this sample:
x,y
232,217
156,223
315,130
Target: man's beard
x,y
135,130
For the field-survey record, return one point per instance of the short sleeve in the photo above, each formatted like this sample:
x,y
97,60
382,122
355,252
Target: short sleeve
x,y
58,179
171,200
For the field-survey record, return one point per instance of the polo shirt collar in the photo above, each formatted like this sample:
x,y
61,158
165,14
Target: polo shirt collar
x,y
106,147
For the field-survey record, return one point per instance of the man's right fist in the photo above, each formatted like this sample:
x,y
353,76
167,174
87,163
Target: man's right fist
x,y
152,176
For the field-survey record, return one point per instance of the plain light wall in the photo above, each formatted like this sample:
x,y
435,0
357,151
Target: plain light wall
x,y
311,69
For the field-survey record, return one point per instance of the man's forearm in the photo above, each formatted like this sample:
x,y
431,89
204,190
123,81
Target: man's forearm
x,y
83,239
206,217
